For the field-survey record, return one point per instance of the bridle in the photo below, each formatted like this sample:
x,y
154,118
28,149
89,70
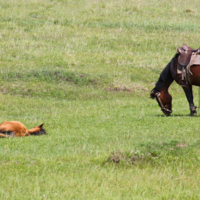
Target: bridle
x,y
161,104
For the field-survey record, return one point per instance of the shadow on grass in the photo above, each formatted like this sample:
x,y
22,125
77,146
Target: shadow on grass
x,y
175,115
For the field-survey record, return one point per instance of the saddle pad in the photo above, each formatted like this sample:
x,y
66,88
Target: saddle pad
x,y
195,60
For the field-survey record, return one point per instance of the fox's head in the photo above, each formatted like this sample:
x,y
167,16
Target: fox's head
x,y
37,130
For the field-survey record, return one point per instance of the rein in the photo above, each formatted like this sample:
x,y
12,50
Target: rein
x,y
161,104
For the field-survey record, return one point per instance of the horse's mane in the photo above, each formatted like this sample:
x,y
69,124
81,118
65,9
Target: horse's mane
x,y
165,76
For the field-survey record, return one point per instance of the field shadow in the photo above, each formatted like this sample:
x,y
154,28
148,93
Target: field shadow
x,y
175,115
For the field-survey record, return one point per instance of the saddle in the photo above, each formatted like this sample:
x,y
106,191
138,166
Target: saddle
x,y
187,58
185,54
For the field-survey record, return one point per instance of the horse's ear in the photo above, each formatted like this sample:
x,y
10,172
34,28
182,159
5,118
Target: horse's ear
x,y
152,95
41,125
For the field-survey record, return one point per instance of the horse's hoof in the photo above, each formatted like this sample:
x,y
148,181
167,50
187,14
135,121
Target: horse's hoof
x,y
193,111
192,114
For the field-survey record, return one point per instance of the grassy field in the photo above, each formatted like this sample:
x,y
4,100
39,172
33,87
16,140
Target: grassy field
x,y
85,69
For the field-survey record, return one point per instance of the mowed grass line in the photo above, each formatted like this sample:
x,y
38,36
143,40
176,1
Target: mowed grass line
x,y
85,69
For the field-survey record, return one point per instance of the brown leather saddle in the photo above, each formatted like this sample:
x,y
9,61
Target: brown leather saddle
x,y
185,54
187,57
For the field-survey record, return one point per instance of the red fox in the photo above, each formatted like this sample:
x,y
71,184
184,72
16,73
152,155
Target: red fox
x,y
17,129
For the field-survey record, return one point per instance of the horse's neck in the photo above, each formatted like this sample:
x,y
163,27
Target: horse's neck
x,y
163,86
166,78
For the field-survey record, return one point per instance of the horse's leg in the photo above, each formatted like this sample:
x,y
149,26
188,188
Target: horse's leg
x,y
189,94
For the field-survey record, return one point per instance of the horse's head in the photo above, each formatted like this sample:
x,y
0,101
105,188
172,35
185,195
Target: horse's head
x,y
164,100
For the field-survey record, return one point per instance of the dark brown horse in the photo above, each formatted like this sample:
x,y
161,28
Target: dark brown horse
x,y
170,73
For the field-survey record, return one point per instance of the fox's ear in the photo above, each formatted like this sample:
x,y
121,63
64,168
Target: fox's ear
x,y
41,125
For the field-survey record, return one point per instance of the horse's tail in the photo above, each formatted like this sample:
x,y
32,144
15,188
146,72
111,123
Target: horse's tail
x,y
37,130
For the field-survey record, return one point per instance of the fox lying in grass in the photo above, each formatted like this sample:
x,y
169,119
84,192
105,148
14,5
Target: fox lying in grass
x,y
17,129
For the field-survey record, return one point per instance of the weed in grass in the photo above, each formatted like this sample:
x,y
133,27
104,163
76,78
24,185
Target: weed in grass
x,y
154,154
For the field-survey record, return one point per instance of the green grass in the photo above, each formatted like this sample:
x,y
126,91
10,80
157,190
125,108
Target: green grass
x,y
85,69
